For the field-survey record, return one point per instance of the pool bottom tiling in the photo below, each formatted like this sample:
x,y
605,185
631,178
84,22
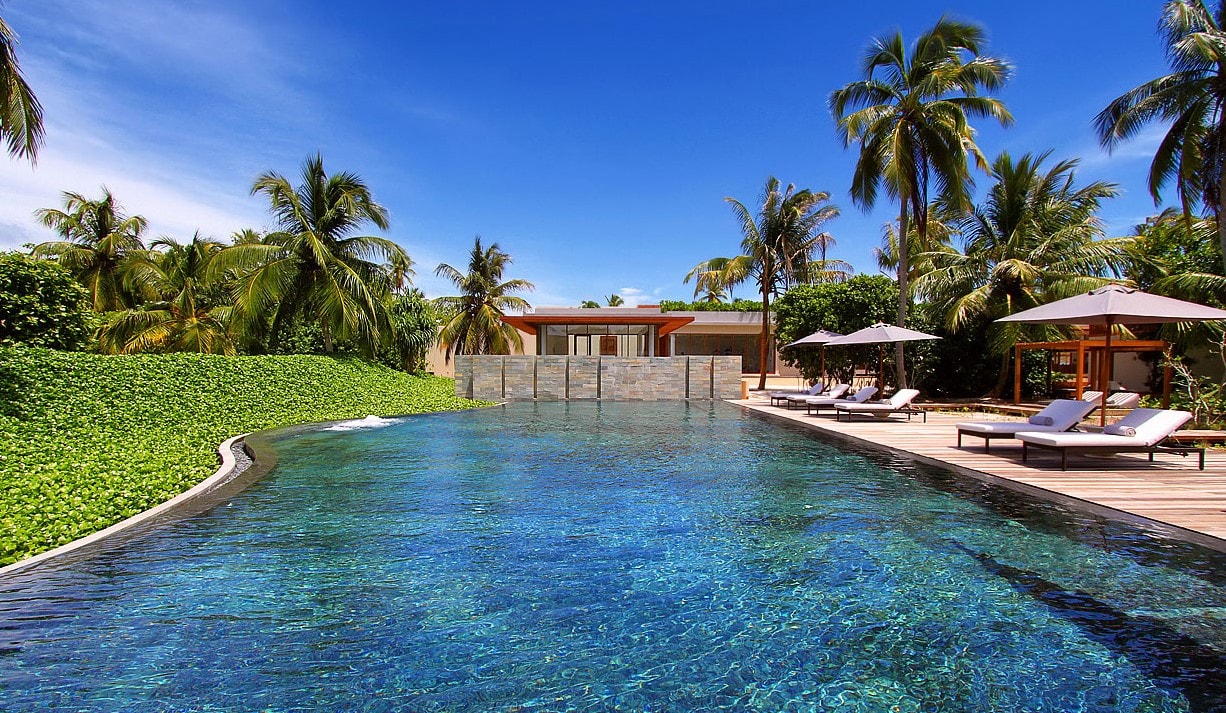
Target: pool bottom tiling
x,y
618,557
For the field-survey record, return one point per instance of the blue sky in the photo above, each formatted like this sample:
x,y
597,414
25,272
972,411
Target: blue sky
x,y
594,142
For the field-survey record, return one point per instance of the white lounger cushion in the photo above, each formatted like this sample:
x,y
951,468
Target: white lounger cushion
x,y
1064,414
835,392
1151,425
863,394
899,400
813,390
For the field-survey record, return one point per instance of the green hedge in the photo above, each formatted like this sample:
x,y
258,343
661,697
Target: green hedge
x,y
88,440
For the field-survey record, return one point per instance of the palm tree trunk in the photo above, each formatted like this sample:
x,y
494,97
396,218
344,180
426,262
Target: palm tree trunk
x,y
327,334
766,333
1002,379
904,269
1221,210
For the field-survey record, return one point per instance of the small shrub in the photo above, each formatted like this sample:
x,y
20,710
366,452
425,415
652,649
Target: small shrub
x,y
41,305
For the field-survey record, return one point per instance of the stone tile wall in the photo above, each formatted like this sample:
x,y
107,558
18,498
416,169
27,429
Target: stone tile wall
x,y
556,378
463,376
487,378
551,378
518,378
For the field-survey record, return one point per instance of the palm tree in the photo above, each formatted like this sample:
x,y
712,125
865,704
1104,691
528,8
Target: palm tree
x,y
1192,98
614,300
475,325
21,116
1033,240
312,267
190,313
909,117
777,249
589,304
99,243
713,294
401,272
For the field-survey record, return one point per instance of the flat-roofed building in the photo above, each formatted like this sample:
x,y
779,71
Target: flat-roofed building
x,y
643,331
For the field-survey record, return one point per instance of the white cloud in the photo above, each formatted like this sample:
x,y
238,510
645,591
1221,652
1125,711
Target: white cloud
x,y
634,296
175,203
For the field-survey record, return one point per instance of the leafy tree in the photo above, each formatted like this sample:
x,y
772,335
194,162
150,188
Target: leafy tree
x,y
909,117
1031,242
414,331
41,305
777,249
1176,256
475,323
1168,244
837,307
21,116
98,247
189,312
590,304
1191,98
312,267
614,300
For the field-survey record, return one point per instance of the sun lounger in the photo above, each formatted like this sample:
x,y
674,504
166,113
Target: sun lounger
x,y
778,397
1143,430
864,394
900,402
1057,416
835,392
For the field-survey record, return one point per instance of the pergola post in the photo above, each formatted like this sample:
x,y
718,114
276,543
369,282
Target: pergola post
x,y
1081,358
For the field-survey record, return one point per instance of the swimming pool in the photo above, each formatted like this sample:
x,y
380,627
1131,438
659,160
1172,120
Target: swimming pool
x,y
639,557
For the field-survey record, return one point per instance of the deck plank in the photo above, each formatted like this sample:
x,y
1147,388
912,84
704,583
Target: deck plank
x,y
1170,490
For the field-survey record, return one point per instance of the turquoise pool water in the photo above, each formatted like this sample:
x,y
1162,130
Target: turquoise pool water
x,y
618,557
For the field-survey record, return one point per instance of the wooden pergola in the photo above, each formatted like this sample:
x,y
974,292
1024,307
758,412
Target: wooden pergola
x,y
1096,349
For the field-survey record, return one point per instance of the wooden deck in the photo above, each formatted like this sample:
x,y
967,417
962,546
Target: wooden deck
x,y
1170,490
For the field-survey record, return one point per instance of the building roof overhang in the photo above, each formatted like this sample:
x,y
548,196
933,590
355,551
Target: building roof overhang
x,y
531,323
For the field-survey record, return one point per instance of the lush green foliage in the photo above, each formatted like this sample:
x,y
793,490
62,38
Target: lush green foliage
x,y
87,440
737,305
836,307
1168,244
474,318
40,304
414,330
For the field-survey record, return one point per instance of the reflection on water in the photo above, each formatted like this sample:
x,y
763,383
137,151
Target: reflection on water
x,y
619,557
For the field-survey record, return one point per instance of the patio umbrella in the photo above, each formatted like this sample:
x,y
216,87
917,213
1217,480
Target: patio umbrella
x,y
1112,305
879,334
819,339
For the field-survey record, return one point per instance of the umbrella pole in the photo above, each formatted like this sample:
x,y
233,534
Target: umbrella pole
x,y
880,370
1104,376
823,348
